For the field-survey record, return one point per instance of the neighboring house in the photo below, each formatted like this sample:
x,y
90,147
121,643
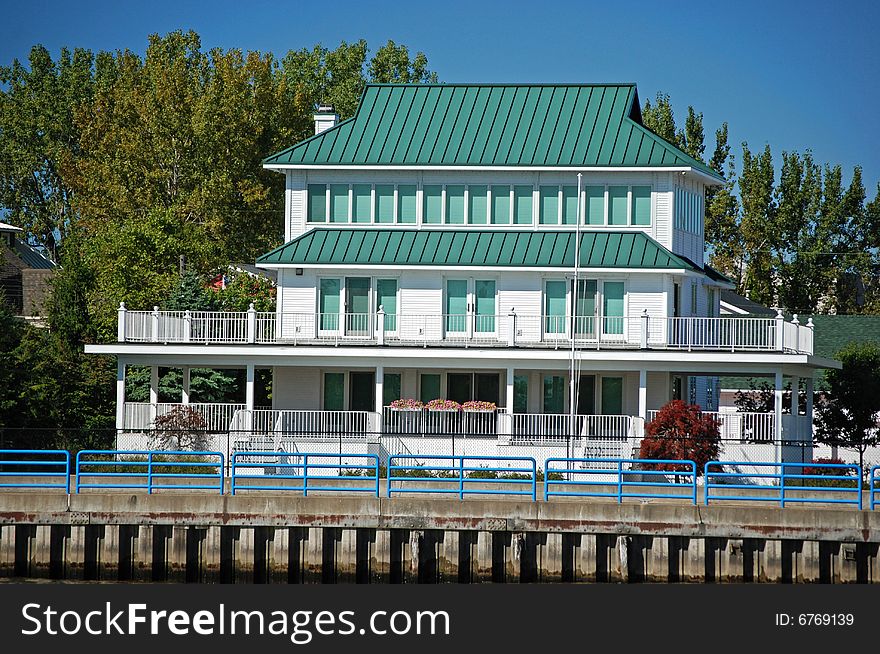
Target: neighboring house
x,y
430,252
24,273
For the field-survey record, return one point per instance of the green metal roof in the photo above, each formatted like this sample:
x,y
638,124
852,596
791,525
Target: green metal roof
x,y
492,125
473,247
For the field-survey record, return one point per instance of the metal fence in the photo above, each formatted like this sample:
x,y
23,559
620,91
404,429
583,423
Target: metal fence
x,y
463,475
620,478
149,470
35,469
277,471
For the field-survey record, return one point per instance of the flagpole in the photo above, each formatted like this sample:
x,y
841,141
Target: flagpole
x,y
572,381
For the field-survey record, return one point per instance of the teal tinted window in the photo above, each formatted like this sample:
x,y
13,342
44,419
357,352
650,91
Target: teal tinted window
x,y
479,205
520,394
334,391
429,387
390,388
500,205
555,389
363,203
569,205
595,205
549,205
406,204
522,205
432,211
617,205
328,304
613,307
317,203
612,396
386,297
554,307
339,203
641,214
456,305
455,204
384,203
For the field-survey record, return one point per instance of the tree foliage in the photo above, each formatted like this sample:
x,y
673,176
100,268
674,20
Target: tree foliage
x,y
681,431
847,416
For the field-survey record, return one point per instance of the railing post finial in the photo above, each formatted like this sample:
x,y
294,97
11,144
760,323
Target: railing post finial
x,y
794,320
643,344
251,324
380,325
120,323
511,327
810,322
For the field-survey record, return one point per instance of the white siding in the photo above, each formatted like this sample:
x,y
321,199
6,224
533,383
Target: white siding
x,y
662,201
295,204
296,388
421,293
658,389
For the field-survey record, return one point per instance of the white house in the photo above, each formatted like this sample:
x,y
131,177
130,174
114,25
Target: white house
x,y
430,252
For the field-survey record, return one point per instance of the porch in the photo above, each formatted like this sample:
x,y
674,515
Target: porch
x,y
725,334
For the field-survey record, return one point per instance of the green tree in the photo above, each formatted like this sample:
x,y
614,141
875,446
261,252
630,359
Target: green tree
x,y
392,64
659,119
758,224
847,417
694,139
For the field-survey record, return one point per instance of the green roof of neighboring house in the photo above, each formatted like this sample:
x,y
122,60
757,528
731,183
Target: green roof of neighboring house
x,y
473,247
531,125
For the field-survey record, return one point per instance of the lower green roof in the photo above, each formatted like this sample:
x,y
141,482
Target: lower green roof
x,y
474,247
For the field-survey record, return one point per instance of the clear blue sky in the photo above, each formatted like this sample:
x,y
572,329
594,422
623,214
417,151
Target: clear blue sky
x,y
792,74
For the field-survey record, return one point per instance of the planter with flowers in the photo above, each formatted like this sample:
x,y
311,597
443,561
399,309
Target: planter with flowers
x,y
478,406
449,406
407,404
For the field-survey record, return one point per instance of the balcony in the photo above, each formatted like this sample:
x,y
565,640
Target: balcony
x,y
727,334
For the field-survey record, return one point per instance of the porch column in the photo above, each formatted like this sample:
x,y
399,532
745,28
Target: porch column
x,y
184,396
795,396
120,394
643,394
506,424
809,408
154,393
380,397
249,396
508,398
777,413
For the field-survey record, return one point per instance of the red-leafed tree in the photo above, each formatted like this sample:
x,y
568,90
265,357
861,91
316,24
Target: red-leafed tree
x,y
681,431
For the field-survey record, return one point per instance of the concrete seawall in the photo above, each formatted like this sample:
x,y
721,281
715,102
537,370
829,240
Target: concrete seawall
x,y
346,539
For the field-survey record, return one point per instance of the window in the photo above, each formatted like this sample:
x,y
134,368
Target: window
x,y
554,394
390,387
334,391
595,205
500,205
612,396
432,211
317,203
328,305
617,205
641,205
522,205
429,387
406,204
362,211
549,205
478,204
339,203
569,205
455,205
520,394
554,307
386,297
613,307
693,298
711,300
384,203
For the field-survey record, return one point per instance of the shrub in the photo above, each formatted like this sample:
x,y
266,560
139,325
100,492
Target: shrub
x,y
183,428
681,431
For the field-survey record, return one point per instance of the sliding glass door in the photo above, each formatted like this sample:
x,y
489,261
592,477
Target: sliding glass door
x,y
470,307
357,306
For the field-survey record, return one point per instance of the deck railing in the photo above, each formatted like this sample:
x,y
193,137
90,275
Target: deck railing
x,y
304,423
142,415
512,330
748,427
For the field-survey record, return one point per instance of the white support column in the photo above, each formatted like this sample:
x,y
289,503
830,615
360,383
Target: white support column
x,y
120,394
250,374
777,413
643,394
154,393
380,396
508,398
184,396
120,323
795,396
809,407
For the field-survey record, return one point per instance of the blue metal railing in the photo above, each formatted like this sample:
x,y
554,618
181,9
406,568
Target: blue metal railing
x,y
148,470
873,486
311,471
39,472
782,482
599,477
454,474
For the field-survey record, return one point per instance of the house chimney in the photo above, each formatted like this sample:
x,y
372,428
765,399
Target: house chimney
x,y
325,118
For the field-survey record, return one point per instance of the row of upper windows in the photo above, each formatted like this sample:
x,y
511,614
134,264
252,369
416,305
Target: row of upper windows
x,y
459,204
688,211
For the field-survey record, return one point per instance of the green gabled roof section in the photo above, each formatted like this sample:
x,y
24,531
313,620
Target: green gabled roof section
x,y
528,125
474,247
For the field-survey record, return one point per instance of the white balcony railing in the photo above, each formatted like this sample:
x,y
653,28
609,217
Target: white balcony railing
x,y
142,415
304,423
729,334
746,426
